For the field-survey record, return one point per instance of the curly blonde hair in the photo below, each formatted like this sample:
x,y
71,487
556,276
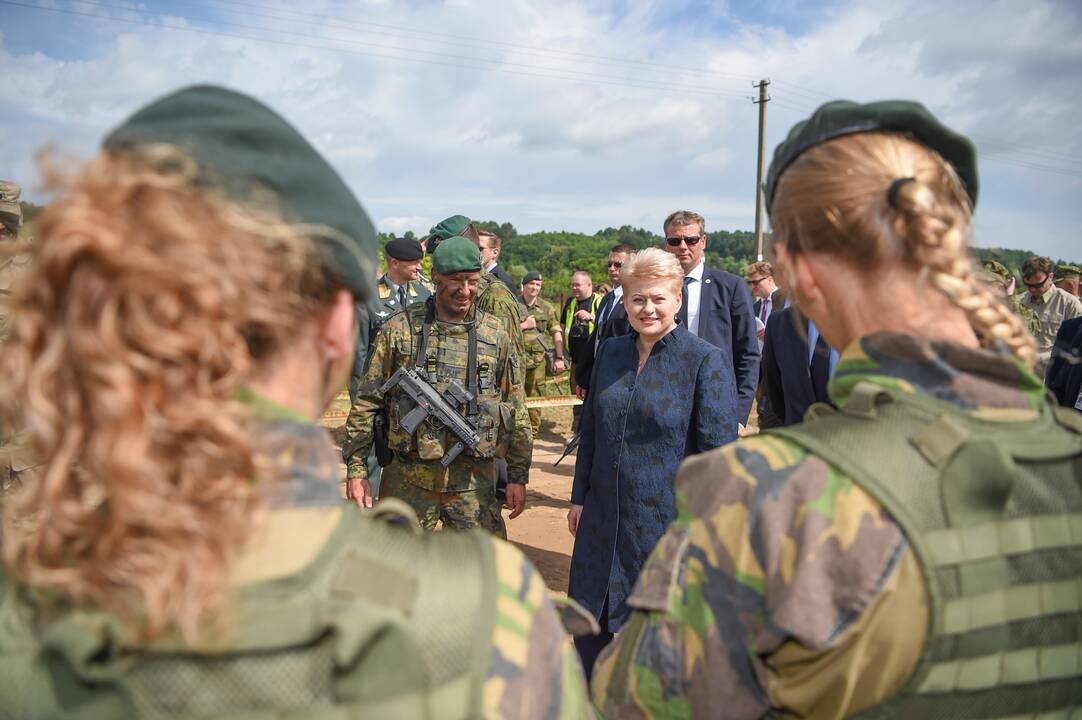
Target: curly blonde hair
x,y
147,303
833,199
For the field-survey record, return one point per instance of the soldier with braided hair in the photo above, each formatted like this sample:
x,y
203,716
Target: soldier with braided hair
x,y
915,552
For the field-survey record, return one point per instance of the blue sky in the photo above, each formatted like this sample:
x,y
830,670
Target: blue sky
x,y
569,115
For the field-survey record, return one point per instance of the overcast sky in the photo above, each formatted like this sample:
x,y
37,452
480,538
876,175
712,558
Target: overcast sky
x,y
569,115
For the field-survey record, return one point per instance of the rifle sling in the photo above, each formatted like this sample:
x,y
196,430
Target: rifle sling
x,y
471,357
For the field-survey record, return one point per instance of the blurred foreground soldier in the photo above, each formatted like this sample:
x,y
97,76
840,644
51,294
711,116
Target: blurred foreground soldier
x,y
186,552
1049,303
997,278
914,554
464,357
544,341
1067,278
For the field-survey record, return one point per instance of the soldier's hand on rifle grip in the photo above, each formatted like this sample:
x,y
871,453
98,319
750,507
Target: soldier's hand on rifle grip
x,y
359,490
516,499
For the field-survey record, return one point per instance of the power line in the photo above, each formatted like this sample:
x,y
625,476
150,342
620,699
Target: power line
x,y
425,34
493,65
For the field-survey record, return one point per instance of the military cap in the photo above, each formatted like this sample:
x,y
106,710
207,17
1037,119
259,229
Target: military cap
x,y
456,254
531,276
1065,271
11,213
249,153
404,249
998,269
449,227
838,118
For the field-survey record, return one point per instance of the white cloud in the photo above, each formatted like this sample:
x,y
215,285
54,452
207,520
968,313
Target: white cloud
x,y
423,138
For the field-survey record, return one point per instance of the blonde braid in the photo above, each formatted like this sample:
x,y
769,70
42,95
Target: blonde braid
x,y
937,241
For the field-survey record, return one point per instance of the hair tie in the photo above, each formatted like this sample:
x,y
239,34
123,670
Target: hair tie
x,y
892,192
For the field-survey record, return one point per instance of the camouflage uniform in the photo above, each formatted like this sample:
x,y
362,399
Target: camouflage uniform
x,y
462,495
15,455
996,272
785,585
539,342
531,670
494,298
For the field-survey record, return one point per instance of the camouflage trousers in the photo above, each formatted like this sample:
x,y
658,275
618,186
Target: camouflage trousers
x,y
532,383
461,510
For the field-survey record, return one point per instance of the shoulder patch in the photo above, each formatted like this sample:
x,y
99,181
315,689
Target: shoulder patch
x,y
376,581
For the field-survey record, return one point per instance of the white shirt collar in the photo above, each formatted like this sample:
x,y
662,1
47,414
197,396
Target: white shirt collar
x,y
618,292
697,272
488,268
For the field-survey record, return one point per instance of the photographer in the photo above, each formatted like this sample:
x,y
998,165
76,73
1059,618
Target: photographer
x,y
579,315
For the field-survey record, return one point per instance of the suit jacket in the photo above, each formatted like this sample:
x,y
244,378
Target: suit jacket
x,y
786,373
777,299
726,321
505,279
1064,377
615,324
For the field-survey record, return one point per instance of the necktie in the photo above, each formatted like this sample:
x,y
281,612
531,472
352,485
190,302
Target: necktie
x,y
683,314
403,298
820,370
603,311
764,309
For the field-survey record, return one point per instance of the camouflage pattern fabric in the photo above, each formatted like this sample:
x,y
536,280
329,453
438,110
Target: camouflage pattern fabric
x,y
539,340
775,552
503,421
494,298
1026,313
460,510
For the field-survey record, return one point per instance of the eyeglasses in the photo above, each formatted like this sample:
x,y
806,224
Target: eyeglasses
x,y
675,241
756,282
1036,284
615,264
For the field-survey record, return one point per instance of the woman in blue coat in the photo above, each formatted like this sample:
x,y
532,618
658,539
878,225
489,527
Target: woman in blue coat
x,y
656,396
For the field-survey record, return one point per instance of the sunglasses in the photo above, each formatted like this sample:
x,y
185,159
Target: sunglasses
x,y
1036,284
615,264
756,282
675,241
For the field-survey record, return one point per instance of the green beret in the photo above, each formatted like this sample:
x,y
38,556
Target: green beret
x,y
254,157
531,276
448,228
456,254
1067,271
842,117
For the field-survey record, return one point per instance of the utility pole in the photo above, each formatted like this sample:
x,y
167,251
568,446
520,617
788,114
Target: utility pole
x,y
761,102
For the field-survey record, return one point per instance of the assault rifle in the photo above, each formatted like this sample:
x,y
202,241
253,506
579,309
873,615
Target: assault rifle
x,y
439,409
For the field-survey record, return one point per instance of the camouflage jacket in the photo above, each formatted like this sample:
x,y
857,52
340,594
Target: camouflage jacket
x,y
782,581
503,422
1032,322
494,298
533,670
540,339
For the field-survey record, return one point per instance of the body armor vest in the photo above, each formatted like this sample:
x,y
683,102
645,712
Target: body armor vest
x,y
993,512
386,622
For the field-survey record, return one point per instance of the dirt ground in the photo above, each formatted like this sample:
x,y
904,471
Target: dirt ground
x,y
541,531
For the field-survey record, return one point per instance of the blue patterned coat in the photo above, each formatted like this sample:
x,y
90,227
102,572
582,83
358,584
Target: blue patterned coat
x,y
635,433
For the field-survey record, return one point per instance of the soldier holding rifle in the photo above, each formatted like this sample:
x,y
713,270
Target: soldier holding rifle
x,y
445,384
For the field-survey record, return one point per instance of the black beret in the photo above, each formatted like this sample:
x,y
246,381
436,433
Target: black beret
x,y
842,117
531,276
252,155
404,249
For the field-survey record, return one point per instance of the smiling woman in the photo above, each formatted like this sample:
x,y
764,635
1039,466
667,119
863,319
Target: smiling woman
x,y
640,420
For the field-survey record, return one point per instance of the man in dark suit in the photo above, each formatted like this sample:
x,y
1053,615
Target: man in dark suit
x,y
795,376
1064,377
490,254
769,299
611,315
717,306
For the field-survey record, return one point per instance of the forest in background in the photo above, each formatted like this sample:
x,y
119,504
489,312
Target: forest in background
x,y
558,254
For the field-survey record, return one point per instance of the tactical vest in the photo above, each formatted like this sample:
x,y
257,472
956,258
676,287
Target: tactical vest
x,y
386,622
993,512
444,358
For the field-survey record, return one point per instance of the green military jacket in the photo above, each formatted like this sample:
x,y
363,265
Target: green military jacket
x,y
503,422
338,613
540,340
389,302
494,298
